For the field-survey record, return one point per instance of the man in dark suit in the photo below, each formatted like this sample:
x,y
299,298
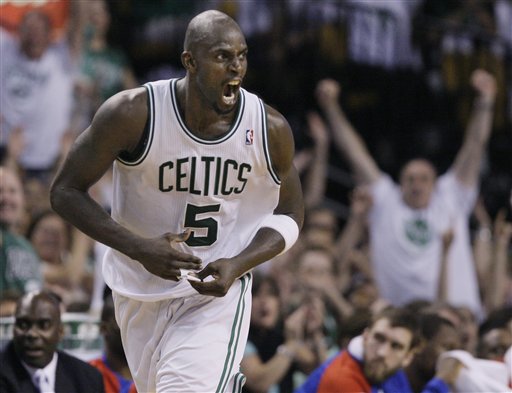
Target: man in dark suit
x,y
31,362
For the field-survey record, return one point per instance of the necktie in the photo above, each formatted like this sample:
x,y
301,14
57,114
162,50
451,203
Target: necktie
x,y
42,382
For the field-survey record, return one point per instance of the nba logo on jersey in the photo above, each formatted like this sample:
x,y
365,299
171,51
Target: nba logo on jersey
x,y
249,137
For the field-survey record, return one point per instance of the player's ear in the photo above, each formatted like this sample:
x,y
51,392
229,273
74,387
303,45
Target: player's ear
x,y
188,61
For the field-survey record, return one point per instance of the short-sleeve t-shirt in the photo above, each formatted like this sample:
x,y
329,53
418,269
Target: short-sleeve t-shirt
x,y
406,243
36,95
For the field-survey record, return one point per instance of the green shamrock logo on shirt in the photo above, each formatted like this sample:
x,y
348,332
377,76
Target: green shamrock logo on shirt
x,y
418,232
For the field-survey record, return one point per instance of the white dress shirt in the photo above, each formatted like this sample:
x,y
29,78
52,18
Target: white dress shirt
x,y
44,378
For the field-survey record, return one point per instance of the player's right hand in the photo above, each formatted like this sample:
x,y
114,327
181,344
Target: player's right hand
x,y
159,257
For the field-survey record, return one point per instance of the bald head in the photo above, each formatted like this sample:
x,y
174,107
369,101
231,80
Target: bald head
x,y
205,25
215,58
37,328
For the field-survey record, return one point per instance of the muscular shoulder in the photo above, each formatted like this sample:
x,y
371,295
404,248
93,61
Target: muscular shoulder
x,y
281,142
126,105
123,115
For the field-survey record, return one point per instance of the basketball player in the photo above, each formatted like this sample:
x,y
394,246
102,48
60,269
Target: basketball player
x,y
203,181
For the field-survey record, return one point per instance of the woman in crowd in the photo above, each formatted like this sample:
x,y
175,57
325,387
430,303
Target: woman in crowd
x,y
64,255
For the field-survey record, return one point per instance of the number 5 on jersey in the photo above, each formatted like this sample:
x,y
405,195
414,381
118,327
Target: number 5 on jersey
x,y
209,224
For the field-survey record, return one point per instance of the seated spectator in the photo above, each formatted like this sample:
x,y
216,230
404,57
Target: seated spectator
x,y
478,372
375,360
31,361
495,335
439,335
475,374
468,330
20,268
64,254
443,309
117,377
277,348
463,318
353,326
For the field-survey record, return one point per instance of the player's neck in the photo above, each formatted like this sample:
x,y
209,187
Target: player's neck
x,y
200,118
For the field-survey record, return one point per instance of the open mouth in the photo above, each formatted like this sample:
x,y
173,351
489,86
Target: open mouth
x,y
230,92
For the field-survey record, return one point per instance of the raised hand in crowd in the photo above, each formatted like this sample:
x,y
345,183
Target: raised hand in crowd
x,y
499,280
315,181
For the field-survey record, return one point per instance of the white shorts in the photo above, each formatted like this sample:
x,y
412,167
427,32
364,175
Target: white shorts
x,y
193,344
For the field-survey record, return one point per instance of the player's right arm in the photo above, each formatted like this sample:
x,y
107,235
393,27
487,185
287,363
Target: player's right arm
x,y
344,134
117,126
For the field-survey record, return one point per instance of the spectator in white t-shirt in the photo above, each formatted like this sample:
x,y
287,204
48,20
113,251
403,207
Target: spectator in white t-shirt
x,y
407,221
36,94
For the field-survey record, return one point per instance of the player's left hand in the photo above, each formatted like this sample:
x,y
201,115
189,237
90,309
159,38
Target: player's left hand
x,y
217,277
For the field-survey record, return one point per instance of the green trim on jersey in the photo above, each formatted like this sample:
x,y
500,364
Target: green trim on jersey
x,y
151,116
232,130
235,335
239,382
274,175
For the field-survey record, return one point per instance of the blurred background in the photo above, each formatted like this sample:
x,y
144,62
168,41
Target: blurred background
x,y
403,66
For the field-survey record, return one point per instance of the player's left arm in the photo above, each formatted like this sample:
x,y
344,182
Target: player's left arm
x,y
282,151
288,215
468,161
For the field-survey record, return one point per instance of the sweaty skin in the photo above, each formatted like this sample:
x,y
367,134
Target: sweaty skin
x,y
215,58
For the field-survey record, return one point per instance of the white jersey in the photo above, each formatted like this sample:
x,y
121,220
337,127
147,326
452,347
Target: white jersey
x,y
406,244
221,189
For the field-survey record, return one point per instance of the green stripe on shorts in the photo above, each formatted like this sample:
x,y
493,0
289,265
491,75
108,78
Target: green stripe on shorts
x,y
235,336
239,383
